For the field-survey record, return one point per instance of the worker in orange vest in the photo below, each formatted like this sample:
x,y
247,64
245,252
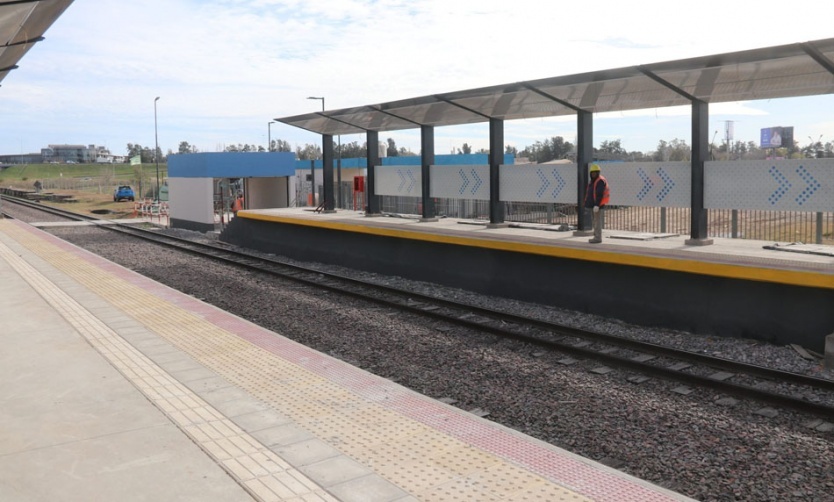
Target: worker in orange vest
x,y
596,198
237,205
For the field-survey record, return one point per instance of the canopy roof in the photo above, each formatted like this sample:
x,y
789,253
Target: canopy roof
x,y
802,69
22,25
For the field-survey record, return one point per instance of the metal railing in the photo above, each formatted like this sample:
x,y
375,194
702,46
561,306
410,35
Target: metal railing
x,y
779,226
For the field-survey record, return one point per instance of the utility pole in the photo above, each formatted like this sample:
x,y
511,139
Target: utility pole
x,y
728,135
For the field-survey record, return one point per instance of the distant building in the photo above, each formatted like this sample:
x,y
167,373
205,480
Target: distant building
x,y
22,158
79,154
66,154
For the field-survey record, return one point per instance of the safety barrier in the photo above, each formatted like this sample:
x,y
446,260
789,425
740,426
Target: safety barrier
x,y
151,209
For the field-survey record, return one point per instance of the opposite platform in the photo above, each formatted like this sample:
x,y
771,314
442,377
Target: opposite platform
x,y
734,288
197,404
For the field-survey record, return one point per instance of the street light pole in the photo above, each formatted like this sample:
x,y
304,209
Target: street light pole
x,y
156,151
313,163
269,135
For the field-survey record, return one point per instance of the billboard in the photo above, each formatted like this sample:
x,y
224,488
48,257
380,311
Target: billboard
x,y
777,137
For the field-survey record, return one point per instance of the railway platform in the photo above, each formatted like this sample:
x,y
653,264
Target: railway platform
x,y
777,292
115,387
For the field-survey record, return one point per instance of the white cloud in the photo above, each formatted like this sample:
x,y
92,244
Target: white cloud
x,y
223,68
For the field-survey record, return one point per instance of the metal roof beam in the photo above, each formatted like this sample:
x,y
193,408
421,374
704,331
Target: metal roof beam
x,y
818,56
645,71
24,42
342,121
298,126
470,110
551,97
380,110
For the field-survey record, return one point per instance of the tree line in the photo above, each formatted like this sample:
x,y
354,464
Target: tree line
x,y
554,148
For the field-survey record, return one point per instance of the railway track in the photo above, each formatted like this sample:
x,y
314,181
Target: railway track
x,y
603,352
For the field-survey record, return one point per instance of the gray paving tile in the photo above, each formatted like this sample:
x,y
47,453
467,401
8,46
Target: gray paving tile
x,y
261,420
281,435
335,471
306,452
371,488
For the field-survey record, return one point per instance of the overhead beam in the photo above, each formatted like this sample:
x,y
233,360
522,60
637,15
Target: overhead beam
x,y
551,97
386,112
323,114
24,42
470,110
818,56
645,71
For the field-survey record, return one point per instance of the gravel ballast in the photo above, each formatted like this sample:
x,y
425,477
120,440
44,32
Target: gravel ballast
x,y
690,443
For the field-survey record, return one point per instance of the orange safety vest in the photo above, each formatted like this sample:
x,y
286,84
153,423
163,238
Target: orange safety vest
x,y
237,205
606,193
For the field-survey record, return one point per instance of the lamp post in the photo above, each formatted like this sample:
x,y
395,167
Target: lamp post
x,y
269,135
313,163
813,146
156,150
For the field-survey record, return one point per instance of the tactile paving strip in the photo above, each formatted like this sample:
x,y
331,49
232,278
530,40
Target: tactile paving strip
x,y
256,468
341,405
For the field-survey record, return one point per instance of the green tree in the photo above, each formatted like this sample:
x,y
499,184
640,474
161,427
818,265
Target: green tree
x,y
549,149
354,150
186,148
611,150
279,145
672,151
308,152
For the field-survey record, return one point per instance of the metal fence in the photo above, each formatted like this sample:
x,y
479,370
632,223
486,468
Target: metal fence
x,y
781,226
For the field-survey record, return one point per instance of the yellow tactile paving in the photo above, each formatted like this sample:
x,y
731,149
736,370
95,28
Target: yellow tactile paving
x,y
449,470
251,463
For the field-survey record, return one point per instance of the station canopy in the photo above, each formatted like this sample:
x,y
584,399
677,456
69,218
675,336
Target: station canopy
x,y
22,25
801,69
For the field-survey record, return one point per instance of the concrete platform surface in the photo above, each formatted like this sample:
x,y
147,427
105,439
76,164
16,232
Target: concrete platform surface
x,y
114,387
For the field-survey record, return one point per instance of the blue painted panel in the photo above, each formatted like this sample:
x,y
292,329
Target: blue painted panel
x,y
232,165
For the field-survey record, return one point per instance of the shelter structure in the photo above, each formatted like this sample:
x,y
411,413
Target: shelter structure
x,y
22,25
801,69
267,180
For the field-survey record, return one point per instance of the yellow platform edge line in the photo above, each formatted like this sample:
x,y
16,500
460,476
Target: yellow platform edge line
x,y
745,272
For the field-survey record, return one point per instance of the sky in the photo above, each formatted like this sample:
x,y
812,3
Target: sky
x,y
223,69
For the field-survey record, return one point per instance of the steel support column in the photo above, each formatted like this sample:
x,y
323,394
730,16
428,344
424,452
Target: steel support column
x,y
328,202
700,152
584,157
372,202
427,159
496,158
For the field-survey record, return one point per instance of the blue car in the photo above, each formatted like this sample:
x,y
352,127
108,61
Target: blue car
x,y
122,193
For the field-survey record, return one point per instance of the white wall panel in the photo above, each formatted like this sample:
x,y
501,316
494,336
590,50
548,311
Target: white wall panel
x,y
652,184
460,182
554,183
772,185
191,199
398,180
265,193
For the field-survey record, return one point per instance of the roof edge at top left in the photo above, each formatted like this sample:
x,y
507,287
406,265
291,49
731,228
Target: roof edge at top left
x,y
22,25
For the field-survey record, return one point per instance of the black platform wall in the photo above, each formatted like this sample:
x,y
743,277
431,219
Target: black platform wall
x,y
696,303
